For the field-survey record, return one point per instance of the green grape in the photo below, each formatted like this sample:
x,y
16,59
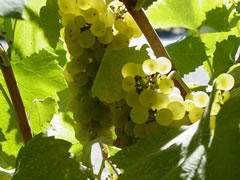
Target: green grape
x,y
161,101
176,91
72,69
72,31
212,123
152,127
128,128
189,96
177,109
128,32
129,69
81,78
92,69
86,39
81,133
120,41
128,84
107,17
106,132
164,117
175,97
82,61
166,85
120,25
91,15
131,23
73,88
132,98
150,66
139,115
98,29
140,71
200,99
107,37
75,49
148,98
225,81
223,96
188,105
80,21
120,114
165,65
67,75
84,4
67,6
195,114
215,109
99,5
67,19
140,130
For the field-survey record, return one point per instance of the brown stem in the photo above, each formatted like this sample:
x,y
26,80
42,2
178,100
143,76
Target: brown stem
x,y
151,35
22,119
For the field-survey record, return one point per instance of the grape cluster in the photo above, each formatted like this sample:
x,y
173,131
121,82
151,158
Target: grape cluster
x,y
91,27
154,101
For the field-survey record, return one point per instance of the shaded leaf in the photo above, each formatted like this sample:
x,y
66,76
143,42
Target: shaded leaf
x,y
187,54
52,156
224,55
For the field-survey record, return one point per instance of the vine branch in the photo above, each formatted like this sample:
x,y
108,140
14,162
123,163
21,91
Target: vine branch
x,y
17,102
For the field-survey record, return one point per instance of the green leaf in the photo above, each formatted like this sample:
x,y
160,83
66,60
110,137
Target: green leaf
x,y
142,160
224,55
107,85
213,17
39,30
51,156
12,8
62,127
187,54
185,13
41,113
38,77
63,102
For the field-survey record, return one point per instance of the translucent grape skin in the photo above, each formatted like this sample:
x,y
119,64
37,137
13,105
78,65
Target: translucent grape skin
x,y
129,69
200,99
98,29
164,117
161,101
132,98
139,115
107,17
86,39
67,6
120,41
91,15
166,85
225,82
177,109
195,114
128,84
107,37
148,98
150,66
165,65
84,4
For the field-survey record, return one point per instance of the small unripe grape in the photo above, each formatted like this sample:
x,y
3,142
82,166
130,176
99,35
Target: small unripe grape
x,y
148,98
177,109
200,99
164,117
150,66
128,84
139,114
129,69
225,82
165,65
166,85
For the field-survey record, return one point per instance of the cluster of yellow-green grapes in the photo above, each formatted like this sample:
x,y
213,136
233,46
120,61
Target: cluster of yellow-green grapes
x,y
154,100
90,27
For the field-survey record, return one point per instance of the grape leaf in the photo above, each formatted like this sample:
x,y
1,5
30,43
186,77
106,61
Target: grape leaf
x,y
224,55
62,127
38,77
107,85
44,109
187,54
12,8
39,30
52,156
185,13
219,14
63,102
